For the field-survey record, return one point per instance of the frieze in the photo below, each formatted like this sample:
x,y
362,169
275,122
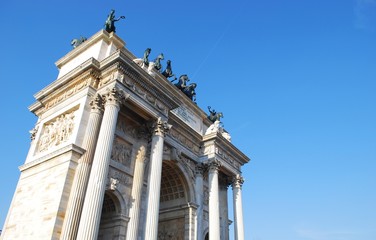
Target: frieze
x,y
57,131
184,140
87,79
142,91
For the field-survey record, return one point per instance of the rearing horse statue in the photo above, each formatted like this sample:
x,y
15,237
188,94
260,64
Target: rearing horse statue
x,y
188,90
157,62
168,71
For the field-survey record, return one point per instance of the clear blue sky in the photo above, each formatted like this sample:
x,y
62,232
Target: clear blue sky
x,y
296,81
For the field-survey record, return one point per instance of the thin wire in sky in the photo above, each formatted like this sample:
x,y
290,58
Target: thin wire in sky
x,y
215,45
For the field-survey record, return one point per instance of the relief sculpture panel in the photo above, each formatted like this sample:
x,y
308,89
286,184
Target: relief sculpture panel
x,y
122,152
57,131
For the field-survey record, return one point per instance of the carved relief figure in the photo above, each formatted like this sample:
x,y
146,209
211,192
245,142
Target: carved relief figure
x,y
121,152
57,131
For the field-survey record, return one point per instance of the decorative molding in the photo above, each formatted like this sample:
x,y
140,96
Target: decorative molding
x,y
131,79
89,78
175,134
51,155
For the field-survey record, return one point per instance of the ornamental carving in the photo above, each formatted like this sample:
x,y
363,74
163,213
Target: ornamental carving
x,y
184,140
238,181
161,127
171,230
122,152
115,96
96,103
89,78
122,178
57,131
33,133
131,82
206,195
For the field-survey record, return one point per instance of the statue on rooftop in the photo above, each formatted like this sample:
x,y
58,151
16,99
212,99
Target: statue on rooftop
x,y
214,116
110,22
188,90
145,59
157,62
168,71
77,41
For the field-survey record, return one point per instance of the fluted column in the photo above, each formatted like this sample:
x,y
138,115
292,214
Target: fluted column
x,y
91,213
154,180
138,177
238,207
214,223
199,199
81,177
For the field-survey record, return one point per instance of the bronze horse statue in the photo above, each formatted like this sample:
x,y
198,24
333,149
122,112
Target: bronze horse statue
x,y
157,62
188,90
77,41
168,71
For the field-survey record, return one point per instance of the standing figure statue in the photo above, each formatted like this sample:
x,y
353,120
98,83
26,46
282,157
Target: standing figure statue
x,y
157,62
110,22
214,116
168,71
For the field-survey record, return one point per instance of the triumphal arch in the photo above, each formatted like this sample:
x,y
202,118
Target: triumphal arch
x,y
121,152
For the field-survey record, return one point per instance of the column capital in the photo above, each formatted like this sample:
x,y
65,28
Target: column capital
x,y
115,97
214,164
199,169
237,181
161,127
96,103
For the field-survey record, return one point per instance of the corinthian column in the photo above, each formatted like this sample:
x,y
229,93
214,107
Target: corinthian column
x,y
138,178
214,223
91,213
238,207
199,199
81,177
154,180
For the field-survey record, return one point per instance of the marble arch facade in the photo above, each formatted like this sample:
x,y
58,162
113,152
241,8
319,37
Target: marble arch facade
x,y
119,152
